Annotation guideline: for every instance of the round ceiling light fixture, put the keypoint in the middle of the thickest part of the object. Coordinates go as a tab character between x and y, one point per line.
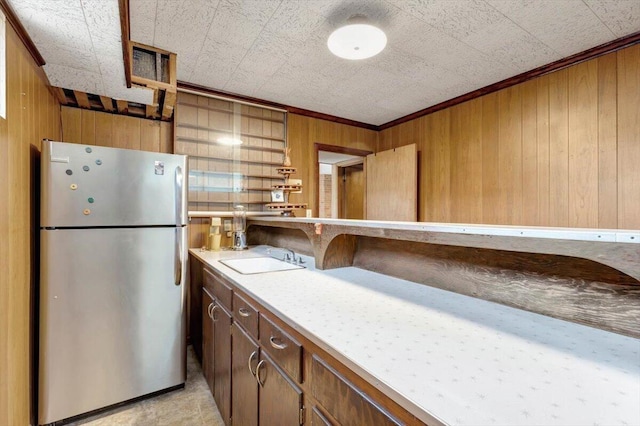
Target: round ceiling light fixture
357	40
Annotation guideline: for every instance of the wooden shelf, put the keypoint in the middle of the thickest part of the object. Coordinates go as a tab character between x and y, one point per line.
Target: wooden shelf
288	187
285	206
286	170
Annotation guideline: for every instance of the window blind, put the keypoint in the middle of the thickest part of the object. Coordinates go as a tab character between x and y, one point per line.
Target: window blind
221	176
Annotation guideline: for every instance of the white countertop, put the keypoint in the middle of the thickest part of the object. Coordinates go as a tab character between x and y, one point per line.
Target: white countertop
458	359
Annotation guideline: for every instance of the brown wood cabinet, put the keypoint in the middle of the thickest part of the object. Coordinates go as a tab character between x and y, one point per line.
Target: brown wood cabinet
284	349
280	399
245	314
261	370
207	337
195	307
222	361
244	390
222	292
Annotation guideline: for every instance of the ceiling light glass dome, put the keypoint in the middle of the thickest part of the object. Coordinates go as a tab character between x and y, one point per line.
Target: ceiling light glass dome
357	40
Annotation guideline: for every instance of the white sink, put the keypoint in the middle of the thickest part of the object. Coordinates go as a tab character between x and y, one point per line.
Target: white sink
259	265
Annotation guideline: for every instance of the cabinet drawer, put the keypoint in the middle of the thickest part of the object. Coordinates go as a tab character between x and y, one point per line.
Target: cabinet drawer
246	315
345	402
283	348
218	289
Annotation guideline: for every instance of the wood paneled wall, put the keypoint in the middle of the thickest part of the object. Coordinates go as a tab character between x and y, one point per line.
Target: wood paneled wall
33	114
303	132
559	150
119	131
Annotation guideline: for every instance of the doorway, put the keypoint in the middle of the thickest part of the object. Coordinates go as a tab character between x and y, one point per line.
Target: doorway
350	197
340	182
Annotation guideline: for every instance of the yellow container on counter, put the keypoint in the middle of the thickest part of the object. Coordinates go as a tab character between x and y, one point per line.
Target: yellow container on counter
213	241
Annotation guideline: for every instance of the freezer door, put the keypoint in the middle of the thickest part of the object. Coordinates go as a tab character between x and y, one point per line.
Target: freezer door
88	186
112	317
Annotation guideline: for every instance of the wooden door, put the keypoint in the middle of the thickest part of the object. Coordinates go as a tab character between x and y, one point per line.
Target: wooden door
244	387
392	184
207	338
280	400
351	192
222	361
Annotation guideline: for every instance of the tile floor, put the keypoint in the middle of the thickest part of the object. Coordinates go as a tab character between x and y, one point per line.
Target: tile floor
192	405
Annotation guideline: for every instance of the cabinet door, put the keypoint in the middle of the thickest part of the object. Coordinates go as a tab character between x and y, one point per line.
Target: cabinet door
195	306
280	399
207	338
244	388
222	361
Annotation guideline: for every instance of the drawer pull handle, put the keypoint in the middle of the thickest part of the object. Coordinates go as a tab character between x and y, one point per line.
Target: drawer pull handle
209	310
213	310
251	357
244	312
260	364
277	345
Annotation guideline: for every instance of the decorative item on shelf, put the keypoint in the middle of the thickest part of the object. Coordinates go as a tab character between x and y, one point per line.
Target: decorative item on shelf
280	192
214	234
287	159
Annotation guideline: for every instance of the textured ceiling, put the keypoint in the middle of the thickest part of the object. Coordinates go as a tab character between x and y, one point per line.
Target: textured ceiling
276	50
80	40
437	49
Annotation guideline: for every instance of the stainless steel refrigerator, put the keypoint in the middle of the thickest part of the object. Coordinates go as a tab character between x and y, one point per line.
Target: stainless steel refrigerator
112	277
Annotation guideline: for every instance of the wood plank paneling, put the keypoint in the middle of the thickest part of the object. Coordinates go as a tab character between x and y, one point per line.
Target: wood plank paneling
607	142
629	138
88	127
558	150
529	154
510	155
72	124
439	133
104	129
150	136
388	174
490	174
542	140
33	114
583	144
466	162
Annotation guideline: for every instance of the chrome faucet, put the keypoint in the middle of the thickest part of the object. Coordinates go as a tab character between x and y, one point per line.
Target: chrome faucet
289	255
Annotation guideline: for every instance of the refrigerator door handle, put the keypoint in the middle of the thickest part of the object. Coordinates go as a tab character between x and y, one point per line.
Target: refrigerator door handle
178	196
178	256
178	248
